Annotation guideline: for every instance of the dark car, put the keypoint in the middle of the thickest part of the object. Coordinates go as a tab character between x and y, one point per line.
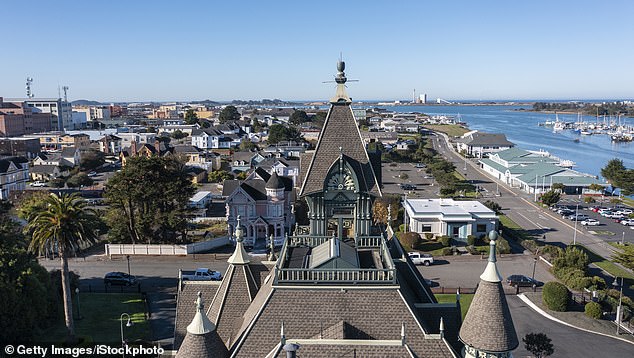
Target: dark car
408	187
119	278
522	281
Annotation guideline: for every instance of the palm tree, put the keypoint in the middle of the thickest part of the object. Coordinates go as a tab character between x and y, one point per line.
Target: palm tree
63	223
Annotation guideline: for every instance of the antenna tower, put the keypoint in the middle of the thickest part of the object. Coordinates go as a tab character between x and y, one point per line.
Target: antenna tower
65	89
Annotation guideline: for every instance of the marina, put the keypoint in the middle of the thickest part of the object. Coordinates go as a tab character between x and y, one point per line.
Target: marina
590	153
614	127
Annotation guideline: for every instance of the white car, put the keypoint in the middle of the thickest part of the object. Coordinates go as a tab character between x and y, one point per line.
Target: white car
627	222
421	259
38	184
624	212
590	222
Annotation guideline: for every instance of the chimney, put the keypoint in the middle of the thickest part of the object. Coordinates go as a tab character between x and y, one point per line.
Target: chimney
157	146
291	350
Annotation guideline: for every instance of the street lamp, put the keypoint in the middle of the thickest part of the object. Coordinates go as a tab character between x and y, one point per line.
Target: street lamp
128	258
574	238
78	309
534	264
128	324
618	308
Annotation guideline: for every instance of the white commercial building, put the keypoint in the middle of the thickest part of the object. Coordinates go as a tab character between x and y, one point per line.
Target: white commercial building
448	217
60	110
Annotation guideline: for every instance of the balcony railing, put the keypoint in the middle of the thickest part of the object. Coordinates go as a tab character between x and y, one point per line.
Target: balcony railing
336	276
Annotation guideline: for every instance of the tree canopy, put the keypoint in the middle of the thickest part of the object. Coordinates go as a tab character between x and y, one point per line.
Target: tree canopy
298	117
280	132
191	117
91	160
229	113
27	299
538	344
550	197
152	195
619	176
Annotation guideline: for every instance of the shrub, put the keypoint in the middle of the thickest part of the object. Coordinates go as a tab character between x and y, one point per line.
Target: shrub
572	257
589	200
410	239
502	246
429	235
471	240
598	283
445	240
555	296
530	245
446	251
593	310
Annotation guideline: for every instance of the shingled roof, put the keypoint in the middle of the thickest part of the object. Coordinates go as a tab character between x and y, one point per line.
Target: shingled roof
340	135
185	309
202	340
488	325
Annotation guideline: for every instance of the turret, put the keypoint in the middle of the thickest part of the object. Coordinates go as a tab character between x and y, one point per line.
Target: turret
488	328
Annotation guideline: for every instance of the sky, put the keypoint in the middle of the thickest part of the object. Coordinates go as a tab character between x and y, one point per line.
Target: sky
223	50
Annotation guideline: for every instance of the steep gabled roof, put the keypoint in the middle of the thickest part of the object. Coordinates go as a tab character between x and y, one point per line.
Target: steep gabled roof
340	134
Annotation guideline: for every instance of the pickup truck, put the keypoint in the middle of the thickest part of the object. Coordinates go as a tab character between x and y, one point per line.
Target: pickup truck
421	259
201	274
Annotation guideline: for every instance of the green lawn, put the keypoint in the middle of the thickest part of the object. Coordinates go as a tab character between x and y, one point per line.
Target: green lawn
452	130
100	319
465	301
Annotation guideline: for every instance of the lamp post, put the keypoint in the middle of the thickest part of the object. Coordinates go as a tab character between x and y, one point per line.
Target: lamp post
128	324
574	238
78	308
128	258
618	308
534	264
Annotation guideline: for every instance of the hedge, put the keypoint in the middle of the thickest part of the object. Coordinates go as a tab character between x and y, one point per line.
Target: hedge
555	296
593	310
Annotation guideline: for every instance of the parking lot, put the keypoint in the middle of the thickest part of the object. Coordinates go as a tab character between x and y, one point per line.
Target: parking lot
393	174
608	229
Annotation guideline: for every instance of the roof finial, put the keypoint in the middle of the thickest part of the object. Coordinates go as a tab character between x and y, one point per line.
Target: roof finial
282	334
491	273
239	256
272	256
201	323
442	328
402	332
340	95
389	213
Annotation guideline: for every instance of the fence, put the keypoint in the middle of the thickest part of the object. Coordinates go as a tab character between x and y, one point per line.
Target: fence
508	290
165	250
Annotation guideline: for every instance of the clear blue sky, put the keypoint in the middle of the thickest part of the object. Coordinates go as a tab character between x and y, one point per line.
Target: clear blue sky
222	50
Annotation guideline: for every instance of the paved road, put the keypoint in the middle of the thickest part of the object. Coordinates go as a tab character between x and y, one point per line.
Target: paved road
568	342
465	270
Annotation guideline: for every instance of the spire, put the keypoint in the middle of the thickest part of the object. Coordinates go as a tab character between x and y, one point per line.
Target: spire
491	273
442	328
239	256
201	323
341	96
402	332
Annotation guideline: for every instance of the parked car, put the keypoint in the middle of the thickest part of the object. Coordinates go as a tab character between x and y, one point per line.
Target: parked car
578	217
606	214
591	222
565	212
421	258
38	184
522	281
408	187
119	278
624	212
420	165
201	274
627	222
92	174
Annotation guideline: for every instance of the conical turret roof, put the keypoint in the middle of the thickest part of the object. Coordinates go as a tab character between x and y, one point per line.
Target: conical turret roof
202	340
488	325
274	182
